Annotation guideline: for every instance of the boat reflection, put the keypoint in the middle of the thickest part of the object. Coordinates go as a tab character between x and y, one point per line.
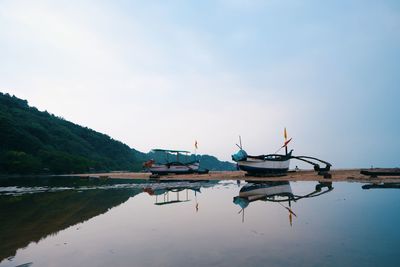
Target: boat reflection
170	192
381	186
279	192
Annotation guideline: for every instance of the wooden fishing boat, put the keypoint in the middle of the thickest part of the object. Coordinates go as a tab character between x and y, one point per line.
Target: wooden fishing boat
173	167
271	164
275	164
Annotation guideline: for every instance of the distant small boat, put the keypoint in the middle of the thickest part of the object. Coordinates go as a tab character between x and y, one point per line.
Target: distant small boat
173	167
381	172
381	186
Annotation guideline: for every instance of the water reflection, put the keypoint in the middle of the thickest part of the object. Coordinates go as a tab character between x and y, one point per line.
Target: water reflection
33	208
172	192
279	192
104	225
381	186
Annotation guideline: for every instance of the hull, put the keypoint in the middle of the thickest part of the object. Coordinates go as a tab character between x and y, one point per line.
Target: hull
178	168
264	166
381	172
259	191
263	191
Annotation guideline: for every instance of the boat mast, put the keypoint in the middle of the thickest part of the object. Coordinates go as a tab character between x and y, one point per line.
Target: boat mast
285	136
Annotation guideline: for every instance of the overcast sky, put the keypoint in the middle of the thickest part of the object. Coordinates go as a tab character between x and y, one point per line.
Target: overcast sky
161	74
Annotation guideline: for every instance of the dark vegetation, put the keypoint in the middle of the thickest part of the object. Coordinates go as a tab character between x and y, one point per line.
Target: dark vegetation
36	142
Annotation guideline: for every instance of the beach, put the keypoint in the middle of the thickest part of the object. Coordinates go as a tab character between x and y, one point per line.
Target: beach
340	175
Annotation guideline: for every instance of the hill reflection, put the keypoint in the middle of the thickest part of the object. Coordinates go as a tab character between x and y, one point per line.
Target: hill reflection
29	217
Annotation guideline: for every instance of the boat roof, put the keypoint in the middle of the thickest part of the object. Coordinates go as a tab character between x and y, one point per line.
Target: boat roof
169	150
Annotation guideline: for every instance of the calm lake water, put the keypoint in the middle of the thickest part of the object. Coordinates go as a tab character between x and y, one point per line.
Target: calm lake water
73	222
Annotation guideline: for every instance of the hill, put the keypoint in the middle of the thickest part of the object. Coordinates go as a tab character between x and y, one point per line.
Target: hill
33	141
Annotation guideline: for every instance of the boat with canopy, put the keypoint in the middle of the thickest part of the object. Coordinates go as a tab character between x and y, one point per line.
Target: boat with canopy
175	166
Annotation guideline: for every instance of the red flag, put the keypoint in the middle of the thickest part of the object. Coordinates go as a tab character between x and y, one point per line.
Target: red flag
287	142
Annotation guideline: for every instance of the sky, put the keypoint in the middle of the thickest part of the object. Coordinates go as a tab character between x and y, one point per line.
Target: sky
162	74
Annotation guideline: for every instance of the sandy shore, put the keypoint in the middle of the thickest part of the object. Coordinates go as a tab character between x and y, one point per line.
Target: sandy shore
352	175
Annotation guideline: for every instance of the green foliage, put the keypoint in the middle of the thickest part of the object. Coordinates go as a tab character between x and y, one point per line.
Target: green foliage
32	141
20	162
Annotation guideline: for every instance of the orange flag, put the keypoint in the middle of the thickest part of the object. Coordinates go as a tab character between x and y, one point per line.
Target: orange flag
285	134
287	142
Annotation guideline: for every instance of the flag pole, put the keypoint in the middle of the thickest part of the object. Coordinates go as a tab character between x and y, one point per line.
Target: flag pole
195	148
285	136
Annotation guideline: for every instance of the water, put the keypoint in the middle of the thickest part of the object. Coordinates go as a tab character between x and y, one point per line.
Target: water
73	222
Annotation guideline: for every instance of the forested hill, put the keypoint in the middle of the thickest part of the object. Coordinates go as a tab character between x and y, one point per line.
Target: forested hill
32	141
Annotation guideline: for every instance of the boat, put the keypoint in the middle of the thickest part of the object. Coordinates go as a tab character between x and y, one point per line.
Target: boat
381	186
271	164
275	164
374	172
173	167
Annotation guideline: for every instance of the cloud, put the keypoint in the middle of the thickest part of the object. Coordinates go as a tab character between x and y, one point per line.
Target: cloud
164	74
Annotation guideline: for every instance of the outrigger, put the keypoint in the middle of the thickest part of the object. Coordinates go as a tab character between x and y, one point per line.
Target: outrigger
173	167
275	164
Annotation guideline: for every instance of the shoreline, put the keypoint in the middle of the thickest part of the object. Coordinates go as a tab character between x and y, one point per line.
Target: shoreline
344	175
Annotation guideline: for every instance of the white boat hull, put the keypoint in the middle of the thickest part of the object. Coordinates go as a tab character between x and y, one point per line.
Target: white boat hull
264	166
174	169
255	193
